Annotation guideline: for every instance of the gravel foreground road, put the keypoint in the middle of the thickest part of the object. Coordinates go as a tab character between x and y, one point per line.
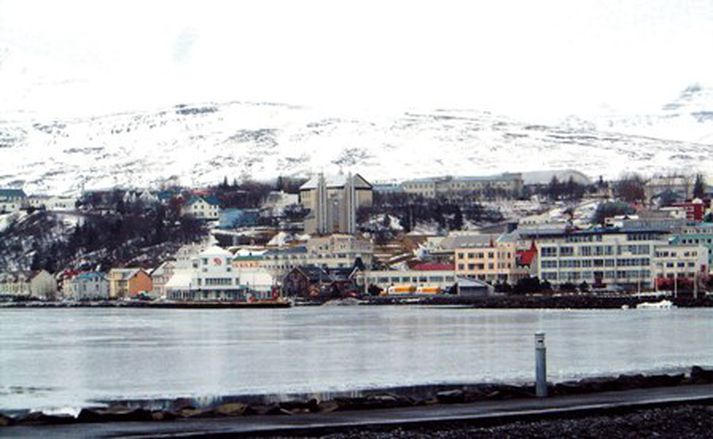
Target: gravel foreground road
688	421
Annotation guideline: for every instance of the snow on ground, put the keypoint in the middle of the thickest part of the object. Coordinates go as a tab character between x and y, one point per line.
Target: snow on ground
201	144
7	219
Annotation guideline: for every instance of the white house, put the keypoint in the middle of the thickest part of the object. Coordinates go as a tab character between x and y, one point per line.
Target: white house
205	208
160	276
43	285
86	286
51	202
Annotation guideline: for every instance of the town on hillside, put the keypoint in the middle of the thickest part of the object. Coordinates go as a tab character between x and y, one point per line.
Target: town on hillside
342	236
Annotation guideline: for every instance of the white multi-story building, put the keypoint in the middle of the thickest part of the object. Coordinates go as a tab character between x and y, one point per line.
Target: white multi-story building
600	257
212	276
503	184
680	261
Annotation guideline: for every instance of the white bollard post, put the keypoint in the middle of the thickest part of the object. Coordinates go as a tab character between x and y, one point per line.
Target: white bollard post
540	365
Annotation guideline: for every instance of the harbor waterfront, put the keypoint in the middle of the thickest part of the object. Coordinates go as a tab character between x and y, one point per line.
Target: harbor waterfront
64	359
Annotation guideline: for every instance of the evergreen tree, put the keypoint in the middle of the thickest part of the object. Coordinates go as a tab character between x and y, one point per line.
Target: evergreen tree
699	187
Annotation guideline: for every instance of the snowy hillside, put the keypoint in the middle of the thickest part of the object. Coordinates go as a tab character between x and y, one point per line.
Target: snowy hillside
688	117
196	144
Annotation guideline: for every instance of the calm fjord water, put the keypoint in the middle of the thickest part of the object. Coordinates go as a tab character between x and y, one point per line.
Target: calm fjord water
56	358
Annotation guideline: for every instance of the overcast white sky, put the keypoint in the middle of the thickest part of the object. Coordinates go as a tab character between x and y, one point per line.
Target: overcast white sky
524	58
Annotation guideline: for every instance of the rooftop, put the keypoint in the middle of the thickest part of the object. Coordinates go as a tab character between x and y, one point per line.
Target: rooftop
12	193
336	181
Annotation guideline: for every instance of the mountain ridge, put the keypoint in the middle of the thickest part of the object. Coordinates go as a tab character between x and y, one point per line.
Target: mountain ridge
197	144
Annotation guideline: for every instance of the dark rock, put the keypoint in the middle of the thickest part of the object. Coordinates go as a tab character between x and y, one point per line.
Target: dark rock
701	376
664	380
194	413
455	396
275	409
182	403
114	414
6	421
328	406
39	418
162	415
231	409
310	406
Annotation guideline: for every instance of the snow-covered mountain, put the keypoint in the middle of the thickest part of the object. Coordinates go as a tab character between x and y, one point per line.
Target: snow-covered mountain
688	117
197	144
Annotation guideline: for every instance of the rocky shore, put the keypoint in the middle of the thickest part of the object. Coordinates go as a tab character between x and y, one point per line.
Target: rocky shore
186	408
688	421
544	301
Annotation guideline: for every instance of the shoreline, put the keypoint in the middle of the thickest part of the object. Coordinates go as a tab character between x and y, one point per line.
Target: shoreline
571	301
433	397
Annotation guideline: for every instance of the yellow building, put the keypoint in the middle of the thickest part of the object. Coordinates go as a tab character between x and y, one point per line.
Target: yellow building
493	260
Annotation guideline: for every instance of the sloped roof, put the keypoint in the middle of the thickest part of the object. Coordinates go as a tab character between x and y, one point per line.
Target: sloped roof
210	199
315	273
12	193
126	273
336	181
180	279
90	275
454	241
526	257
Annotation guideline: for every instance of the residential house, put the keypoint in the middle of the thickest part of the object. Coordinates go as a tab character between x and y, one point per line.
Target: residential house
51	202
43	285
311	281
15	284
202	207
160	276
12	200
497	259
90	285
128	282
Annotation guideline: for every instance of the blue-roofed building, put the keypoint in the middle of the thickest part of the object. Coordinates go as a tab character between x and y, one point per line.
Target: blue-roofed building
12	200
234	218
202	207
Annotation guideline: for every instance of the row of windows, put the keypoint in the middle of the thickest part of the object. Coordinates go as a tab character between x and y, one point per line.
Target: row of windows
576	263
679	264
213	281
595	250
568	276
491	266
672	254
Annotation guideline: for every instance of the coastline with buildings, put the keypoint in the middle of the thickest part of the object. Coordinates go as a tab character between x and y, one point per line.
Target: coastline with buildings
426	240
